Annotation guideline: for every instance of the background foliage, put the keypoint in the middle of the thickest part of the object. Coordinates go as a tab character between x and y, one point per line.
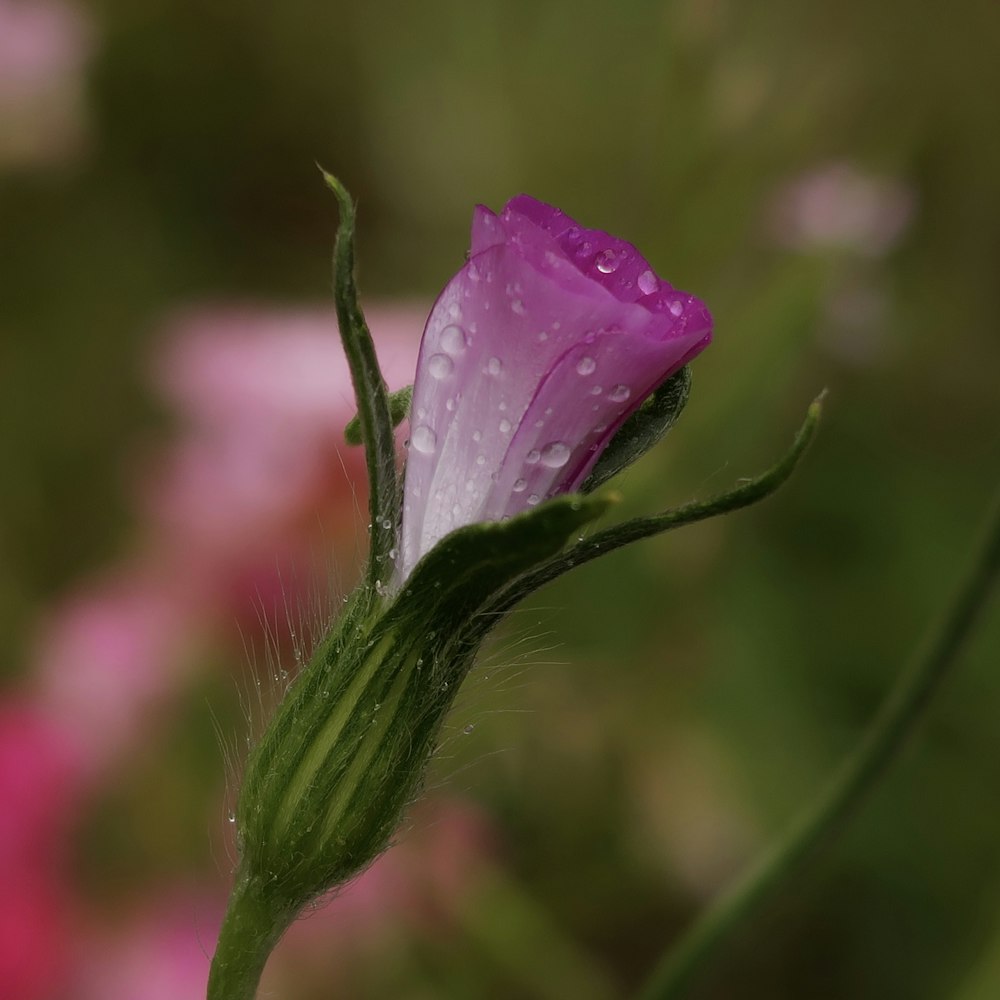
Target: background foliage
645	726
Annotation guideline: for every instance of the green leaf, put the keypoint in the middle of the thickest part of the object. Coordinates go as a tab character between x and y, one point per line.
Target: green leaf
748	492
399	409
467	568
374	417
642	430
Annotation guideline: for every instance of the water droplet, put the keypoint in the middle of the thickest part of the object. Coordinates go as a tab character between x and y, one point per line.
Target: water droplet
596	390
543	336
619	394
440	365
555	455
455	310
472	271
586	366
424	440
505	426
449	405
533	456
393	553
648	282
517	307
477	436
468	729
607	261
480	460
533	499
453	339
232	817
519	485
676	307
494	366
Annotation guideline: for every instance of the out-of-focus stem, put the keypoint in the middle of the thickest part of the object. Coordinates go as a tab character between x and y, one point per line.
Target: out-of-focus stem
900	712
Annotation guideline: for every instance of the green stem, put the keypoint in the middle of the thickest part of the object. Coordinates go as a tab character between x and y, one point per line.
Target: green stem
248	935
898	716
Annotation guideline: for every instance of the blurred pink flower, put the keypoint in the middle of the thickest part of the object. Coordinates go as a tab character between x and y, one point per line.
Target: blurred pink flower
840	206
107	656
257	482
39	803
159	953
44	47
260	469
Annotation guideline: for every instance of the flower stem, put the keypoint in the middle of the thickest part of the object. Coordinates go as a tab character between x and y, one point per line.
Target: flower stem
249	933
896	719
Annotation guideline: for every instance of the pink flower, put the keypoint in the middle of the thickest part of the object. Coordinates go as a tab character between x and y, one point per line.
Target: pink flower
264	397
44	45
533	356
38	793
160	954
839	206
107	657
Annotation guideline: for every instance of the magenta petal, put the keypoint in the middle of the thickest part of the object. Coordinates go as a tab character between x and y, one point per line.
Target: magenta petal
533	356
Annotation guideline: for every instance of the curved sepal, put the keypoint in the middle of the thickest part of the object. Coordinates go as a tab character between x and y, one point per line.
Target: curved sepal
473	564
375	421
748	492
399	410
642	430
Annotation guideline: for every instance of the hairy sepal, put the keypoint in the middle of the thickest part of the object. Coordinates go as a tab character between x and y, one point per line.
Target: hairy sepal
326	787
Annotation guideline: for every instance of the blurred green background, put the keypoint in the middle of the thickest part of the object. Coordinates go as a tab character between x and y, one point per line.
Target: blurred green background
678	701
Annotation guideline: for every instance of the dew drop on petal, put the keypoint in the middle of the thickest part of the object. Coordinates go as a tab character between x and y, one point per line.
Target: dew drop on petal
586	366
533	457
648	282
480	460
449	404
555	455
423	440
477	436
517	307
676	307
607	262
519	485
455	310
533	499
494	366
619	393
505	426
440	365
453	339
596	391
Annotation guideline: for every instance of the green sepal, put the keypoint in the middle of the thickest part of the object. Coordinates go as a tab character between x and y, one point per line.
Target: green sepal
468	567
747	492
642	430
374	417
399	410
